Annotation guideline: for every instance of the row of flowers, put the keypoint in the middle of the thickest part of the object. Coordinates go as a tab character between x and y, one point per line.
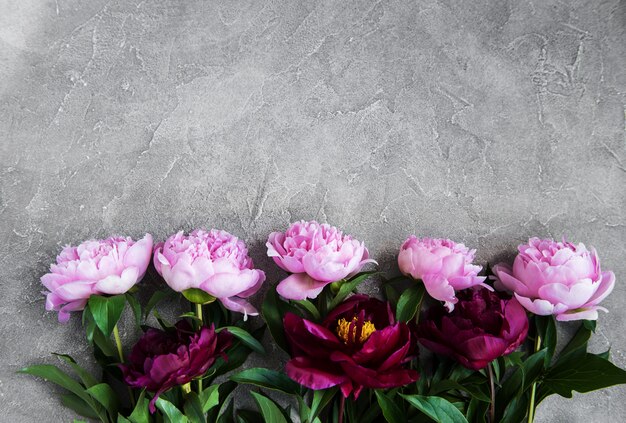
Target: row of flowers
352	357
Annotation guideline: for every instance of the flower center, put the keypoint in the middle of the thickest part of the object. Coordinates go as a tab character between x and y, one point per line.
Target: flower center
348	331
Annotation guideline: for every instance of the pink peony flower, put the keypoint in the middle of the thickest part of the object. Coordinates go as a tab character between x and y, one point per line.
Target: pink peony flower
558	278
316	254
111	266
215	262
443	265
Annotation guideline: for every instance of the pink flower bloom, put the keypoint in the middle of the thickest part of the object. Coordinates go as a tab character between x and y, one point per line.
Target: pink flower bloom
558	278
215	262
316	254
443	265
111	266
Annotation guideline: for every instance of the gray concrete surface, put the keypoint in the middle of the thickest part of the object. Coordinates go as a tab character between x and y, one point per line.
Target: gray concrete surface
483	121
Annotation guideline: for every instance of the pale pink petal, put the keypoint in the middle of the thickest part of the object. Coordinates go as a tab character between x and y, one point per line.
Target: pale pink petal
114	285
438	288
300	286
607	283
538	306
581	314
138	255
239	305
223	285
507	281
573	297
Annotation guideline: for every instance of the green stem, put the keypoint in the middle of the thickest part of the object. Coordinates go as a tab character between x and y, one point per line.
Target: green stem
199	315
492	406
419	305
533	389
118	343
342	405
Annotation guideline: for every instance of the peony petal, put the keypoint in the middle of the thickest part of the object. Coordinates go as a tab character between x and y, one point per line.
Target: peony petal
573	296
139	254
300	286
114	285
506	280
606	286
581	314
76	290
230	284
314	374
64	312
239	305
538	306
438	287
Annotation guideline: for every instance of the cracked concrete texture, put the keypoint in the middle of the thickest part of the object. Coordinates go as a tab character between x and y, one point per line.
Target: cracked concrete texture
485	121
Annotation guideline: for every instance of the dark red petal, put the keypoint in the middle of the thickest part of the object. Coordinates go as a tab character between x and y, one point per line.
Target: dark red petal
314	374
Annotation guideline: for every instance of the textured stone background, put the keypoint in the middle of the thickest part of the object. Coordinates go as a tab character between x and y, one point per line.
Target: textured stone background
483	121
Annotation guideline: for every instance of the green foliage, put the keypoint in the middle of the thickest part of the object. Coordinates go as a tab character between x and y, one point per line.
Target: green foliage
106	311
409	302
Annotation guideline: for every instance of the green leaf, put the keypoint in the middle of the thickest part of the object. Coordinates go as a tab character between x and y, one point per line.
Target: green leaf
226	413
309	307
106	311
246	338
198	296
103	393
249	416
391	295
348	286
210	397
409	302
237	355
270	411
73	402
515	411
446	385
273	310
590	325
321	398
141	412
391	411
193	408
87	379
56	375
172	414
225	389
266	378
122	419
583	374
156	298
476	411
533	366
135	306
546	328
578	343
437	408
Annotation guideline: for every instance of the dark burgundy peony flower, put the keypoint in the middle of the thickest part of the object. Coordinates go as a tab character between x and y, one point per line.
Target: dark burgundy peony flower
357	346
483	326
161	359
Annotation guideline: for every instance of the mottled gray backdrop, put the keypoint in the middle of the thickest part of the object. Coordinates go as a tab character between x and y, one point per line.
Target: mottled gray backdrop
483	121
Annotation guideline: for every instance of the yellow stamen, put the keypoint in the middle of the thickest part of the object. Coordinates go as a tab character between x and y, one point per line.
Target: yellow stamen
343	330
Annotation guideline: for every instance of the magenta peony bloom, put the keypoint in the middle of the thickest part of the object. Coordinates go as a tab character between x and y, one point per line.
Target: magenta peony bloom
215	262
316	255
358	345
111	266
443	265
484	326
558	278
161	360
